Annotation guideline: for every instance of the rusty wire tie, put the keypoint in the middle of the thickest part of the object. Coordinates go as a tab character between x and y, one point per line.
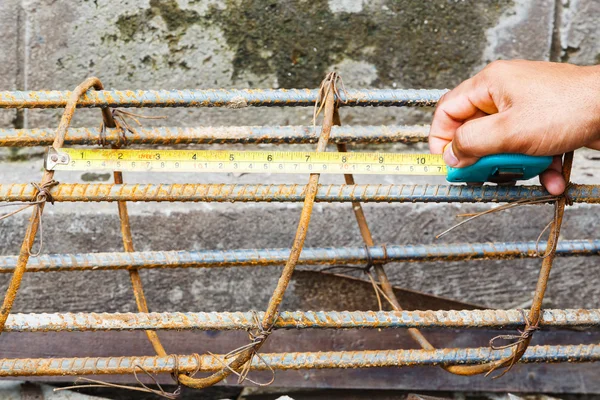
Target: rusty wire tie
368	266
523	336
367	271
42	195
257	336
330	83
120	118
535	200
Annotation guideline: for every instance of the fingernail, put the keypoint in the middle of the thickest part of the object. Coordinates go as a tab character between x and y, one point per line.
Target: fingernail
449	157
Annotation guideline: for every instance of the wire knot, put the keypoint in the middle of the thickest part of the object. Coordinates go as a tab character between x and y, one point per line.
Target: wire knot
370	262
43	192
328	85
523	337
566	196
42	195
121	119
257	337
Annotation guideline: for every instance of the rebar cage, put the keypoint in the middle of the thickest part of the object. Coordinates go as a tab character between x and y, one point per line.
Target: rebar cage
188	369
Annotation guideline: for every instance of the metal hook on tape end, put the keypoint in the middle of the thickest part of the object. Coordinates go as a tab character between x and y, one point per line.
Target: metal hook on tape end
54	158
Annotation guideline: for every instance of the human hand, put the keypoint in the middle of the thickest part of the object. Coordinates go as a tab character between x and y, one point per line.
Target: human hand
528	107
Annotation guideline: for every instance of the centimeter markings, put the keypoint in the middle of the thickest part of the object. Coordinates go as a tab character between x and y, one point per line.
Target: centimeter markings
252	161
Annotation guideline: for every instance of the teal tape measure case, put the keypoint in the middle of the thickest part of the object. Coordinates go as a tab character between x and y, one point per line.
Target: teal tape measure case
500	168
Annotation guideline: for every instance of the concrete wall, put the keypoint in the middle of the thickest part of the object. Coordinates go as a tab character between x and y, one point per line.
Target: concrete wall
153	44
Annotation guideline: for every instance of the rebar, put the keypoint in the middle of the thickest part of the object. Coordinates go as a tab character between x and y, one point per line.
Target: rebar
230	98
223	321
47	178
373	193
165	135
292	361
309	256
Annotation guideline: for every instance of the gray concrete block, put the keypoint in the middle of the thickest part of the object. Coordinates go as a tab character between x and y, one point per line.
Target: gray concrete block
523	31
579	34
12	51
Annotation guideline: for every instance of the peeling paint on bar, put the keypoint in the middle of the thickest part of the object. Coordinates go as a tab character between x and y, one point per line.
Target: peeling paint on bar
230	98
407	193
309	256
223	321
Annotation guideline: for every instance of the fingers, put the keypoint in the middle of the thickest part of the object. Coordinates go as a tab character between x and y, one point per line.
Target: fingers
480	137
469	100
552	178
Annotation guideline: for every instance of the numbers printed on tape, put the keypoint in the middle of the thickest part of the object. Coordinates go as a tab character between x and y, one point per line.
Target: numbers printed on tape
248	161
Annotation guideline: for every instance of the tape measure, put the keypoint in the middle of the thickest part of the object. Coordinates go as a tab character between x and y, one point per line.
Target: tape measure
506	166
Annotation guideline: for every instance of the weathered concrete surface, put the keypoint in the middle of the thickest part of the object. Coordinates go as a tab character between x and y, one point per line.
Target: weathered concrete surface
579	33
523	31
11	55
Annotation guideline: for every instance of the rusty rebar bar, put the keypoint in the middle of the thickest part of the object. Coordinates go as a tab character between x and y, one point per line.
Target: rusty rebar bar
535	311
326	100
378	266
520	345
292	361
35	220
165	135
134	274
309	256
223	321
230	98
384	193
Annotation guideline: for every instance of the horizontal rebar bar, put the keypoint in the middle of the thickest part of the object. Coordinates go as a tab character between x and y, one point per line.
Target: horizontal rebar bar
296	320
293	361
408	193
221	134
218	98
309	256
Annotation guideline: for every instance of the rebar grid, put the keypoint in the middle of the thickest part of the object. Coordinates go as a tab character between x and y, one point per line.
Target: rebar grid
458	361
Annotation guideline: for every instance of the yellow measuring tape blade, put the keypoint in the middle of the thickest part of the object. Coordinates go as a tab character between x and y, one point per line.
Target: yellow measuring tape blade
246	161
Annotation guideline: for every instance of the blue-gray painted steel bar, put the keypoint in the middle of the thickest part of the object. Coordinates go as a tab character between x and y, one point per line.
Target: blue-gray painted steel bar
164	135
223	321
231	98
309	256
294	193
293	361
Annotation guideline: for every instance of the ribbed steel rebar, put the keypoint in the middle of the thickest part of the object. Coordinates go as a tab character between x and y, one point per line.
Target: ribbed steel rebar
292	361
309	256
296	320
294	193
218	98
165	135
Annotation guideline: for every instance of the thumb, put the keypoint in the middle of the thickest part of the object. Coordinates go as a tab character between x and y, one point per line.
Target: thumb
477	138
